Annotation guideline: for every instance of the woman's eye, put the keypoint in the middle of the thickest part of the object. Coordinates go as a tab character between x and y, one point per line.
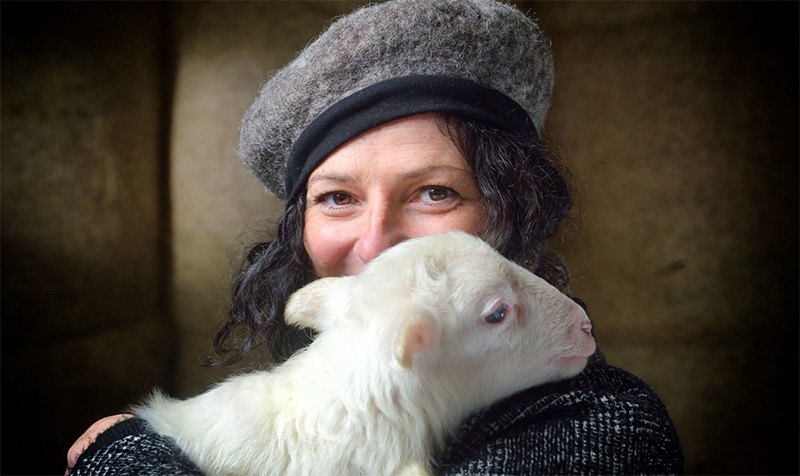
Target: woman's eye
436	194
337	199
497	316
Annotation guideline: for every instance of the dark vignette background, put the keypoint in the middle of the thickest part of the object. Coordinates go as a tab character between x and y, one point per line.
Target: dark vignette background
678	120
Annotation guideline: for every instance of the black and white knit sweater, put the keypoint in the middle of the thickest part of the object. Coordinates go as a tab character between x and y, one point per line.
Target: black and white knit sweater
604	421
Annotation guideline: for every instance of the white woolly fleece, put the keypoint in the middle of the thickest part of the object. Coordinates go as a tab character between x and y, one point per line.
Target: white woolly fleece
431	331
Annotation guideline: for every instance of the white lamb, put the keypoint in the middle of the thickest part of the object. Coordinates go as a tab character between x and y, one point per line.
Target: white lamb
432	330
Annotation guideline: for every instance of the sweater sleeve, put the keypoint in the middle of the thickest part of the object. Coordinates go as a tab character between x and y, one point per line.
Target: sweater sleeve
129	448
604	421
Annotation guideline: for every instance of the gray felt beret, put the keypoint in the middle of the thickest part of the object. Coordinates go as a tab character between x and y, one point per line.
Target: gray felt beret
485	41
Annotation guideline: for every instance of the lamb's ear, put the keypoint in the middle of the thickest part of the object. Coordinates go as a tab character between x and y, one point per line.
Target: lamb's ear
418	334
305	306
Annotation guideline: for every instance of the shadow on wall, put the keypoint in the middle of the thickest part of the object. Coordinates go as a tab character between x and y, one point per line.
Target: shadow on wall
84	252
680	120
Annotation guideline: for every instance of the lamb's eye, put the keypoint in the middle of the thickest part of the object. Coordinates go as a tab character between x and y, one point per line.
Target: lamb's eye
497	316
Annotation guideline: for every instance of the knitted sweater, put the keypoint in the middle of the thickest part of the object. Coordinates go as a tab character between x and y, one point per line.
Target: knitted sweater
604	421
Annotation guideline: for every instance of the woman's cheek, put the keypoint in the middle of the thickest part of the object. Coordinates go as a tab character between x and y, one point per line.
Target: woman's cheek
326	246
471	219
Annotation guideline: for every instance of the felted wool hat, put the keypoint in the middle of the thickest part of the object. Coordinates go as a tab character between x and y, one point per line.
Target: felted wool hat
479	59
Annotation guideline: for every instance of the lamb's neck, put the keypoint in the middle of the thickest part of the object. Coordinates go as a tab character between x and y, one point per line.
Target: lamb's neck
346	385
443	412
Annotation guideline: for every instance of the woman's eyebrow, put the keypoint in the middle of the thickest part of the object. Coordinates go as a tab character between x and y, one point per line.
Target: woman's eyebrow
410	175
332	177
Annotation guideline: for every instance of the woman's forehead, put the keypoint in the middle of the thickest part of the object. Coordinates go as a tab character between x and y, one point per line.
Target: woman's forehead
415	145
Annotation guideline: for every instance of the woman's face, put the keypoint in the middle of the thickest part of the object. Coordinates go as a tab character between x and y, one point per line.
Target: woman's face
401	180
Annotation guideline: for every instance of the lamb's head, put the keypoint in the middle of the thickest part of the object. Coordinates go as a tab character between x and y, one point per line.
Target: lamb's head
457	315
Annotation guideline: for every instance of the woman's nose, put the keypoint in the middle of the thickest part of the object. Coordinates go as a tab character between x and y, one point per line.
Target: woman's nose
382	229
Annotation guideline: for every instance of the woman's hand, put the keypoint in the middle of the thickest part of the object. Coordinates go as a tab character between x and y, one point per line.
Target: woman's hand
90	435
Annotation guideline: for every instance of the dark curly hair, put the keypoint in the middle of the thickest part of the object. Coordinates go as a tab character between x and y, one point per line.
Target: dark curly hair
525	196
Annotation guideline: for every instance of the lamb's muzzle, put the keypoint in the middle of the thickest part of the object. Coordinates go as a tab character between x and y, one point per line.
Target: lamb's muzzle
580	337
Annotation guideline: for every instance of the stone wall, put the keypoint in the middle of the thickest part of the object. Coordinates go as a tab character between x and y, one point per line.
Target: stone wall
85	251
679	121
124	206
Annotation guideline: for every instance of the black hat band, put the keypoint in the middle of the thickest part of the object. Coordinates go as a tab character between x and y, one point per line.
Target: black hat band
394	99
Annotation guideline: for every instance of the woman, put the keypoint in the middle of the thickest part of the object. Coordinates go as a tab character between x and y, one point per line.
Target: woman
404	119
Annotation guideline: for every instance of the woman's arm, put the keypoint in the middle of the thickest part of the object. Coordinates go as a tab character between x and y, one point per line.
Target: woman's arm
605	421
89	436
129	447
